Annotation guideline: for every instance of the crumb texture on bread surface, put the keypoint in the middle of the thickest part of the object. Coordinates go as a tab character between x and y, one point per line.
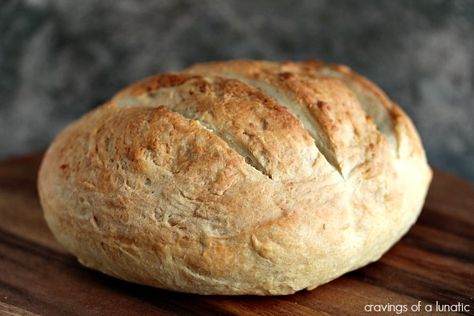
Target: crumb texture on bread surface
237	177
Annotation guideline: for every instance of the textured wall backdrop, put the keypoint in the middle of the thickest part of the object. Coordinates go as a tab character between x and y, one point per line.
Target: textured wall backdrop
60	58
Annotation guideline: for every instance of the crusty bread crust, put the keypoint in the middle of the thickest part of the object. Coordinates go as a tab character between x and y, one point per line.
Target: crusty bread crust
238	177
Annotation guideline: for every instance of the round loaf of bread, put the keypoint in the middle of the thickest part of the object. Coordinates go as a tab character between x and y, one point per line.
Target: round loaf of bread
238	177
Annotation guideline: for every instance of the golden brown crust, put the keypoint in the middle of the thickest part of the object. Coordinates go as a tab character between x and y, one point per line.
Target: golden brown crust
345	134
255	125
240	177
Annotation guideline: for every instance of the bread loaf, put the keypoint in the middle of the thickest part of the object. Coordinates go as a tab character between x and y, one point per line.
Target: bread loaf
238	177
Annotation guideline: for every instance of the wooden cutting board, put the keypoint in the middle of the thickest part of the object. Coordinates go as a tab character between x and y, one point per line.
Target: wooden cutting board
433	262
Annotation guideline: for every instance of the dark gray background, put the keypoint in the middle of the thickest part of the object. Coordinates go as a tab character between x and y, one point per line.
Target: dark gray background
60	58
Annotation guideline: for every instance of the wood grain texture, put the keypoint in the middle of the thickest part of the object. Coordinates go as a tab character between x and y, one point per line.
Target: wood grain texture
433	262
